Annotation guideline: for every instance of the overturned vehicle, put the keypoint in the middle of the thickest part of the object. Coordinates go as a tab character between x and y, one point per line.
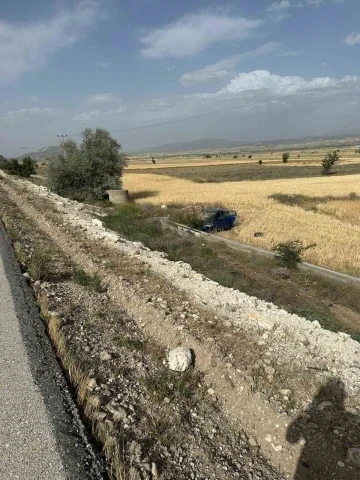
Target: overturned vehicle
217	219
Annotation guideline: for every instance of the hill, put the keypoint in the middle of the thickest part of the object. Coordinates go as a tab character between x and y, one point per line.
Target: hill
214	144
201	144
43	154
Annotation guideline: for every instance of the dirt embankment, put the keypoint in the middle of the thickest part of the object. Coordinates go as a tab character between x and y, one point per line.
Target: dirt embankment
264	380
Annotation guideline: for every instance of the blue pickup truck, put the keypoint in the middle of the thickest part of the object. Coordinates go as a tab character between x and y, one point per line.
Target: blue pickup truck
217	219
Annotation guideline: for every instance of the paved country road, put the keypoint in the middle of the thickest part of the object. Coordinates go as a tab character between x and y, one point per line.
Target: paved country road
41	436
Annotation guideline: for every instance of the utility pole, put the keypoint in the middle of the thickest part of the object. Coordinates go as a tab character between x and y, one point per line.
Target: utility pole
62	137
24	148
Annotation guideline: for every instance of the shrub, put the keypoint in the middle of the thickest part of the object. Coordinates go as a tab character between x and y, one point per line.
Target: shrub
207	156
260	162
353	195
329	161
24	169
235	156
28	167
250	156
285	157
89	170
40	264
290	253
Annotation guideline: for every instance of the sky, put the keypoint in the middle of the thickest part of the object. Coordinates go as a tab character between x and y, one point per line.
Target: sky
249	70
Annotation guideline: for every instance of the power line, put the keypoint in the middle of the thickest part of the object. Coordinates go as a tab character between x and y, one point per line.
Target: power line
225	110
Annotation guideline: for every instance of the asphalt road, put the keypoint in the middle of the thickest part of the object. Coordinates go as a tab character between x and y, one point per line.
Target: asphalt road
41	435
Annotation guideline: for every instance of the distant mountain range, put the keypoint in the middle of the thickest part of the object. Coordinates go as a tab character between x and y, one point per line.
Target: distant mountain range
201	144
215	144
204	145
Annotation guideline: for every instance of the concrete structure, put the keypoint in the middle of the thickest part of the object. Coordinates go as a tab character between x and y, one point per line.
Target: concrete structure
119	197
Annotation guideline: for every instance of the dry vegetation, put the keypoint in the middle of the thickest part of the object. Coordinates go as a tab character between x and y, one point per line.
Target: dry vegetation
334	226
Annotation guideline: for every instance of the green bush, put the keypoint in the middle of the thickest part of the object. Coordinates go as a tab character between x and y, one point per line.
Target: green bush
353	195
89	170
285	157
290	253
329	161
250	156
260	162
235	156
24	169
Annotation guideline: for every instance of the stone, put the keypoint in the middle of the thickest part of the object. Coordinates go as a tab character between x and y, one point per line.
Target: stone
120	414
91	384
105	356
179	359
353	454
154	471
268	438
340	464
211	391
326	405
97	222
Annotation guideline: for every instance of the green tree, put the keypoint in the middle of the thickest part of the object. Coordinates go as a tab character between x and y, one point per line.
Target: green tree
329	161
250	156
285	157
89	170
27	168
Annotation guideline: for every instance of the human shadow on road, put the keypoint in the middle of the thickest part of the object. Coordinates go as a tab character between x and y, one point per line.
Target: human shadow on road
330	436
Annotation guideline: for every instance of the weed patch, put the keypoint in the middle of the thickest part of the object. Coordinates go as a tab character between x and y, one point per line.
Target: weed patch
92	281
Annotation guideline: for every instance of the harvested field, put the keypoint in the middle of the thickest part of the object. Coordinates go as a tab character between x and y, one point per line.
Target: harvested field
241	172
336	236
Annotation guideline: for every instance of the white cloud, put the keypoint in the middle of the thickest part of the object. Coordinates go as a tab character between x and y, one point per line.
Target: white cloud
29	114
276	6
34	99
102	98
263	79
88	117
224	68
26	47
102	65
193	33
352	39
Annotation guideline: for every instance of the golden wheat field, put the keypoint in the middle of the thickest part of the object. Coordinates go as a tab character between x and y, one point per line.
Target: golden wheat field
334	227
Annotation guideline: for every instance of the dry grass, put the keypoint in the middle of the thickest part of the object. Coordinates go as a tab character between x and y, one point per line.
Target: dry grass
336	235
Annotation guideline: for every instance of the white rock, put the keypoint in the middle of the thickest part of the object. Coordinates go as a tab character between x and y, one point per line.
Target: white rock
211	391
104	356
97	222
179	359
341	464
91	383
164	207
